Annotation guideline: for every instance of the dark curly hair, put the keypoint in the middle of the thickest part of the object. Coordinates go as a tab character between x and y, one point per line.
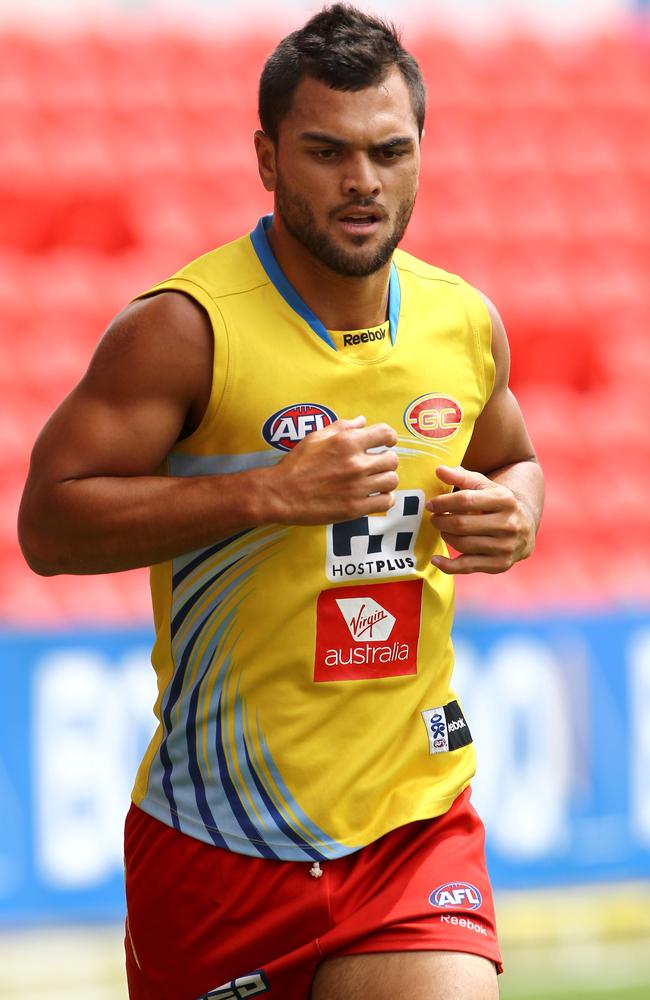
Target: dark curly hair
343	48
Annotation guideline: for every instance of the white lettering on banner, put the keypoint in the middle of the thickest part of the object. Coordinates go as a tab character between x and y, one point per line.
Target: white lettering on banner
520	716
91	724
640	734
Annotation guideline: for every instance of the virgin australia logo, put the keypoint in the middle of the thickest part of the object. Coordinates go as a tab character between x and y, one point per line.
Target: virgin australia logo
366	620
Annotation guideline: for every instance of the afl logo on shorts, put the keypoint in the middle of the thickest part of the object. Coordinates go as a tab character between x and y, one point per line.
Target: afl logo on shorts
289	426
456	895
432	416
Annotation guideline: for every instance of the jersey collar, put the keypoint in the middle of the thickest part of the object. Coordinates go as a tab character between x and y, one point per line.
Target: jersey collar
262	248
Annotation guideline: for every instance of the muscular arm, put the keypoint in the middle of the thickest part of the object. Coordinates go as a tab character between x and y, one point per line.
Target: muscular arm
93	503
493	516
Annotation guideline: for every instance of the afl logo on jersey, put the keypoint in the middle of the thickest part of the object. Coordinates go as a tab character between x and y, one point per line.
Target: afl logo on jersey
433	416
456	895
289	426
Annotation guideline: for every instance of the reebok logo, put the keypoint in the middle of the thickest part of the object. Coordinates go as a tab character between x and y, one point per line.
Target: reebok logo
453	726
463	922
352	339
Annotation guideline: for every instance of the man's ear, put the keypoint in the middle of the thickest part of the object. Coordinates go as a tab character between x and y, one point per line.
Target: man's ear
265	150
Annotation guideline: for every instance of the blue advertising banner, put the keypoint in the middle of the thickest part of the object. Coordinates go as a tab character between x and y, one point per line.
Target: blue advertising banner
560	713
559	709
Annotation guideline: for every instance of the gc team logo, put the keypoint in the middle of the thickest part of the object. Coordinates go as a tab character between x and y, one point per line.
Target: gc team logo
433	417
284	429
456	895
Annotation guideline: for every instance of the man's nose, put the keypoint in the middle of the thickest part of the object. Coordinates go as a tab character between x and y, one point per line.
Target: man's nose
360	178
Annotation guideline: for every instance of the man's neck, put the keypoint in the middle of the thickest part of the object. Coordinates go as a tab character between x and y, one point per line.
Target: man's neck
340	302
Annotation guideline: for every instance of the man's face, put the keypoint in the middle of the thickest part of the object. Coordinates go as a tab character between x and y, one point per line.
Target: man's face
346	172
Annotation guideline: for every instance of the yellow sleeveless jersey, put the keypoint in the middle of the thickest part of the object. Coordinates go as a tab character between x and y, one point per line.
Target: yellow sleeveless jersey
303	672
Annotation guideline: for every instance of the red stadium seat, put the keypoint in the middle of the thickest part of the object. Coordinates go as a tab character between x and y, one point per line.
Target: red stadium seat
122	156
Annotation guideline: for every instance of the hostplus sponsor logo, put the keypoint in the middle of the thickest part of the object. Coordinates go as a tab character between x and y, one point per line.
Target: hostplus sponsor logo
369	631
452	895
286	428
252	985
380	545
367	337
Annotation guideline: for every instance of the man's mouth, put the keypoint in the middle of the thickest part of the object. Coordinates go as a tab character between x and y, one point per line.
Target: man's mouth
359	218
359	222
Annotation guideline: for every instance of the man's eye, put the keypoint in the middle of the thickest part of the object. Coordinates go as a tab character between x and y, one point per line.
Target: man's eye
326	154
391	154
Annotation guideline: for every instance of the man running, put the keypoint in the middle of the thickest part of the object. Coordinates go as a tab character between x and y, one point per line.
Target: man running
288	431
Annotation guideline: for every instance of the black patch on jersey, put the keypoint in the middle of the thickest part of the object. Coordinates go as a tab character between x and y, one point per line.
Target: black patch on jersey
458	732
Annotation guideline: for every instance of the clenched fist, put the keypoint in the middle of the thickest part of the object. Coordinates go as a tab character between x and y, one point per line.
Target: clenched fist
345	471
487	523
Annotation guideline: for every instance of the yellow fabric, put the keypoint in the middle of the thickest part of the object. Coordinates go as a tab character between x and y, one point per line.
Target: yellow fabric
282	763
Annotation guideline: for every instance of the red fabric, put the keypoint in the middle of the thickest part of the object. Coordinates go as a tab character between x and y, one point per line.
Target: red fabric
200	918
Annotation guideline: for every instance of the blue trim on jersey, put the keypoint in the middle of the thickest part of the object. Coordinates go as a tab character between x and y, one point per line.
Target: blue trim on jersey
394	303
267	259
181	615
248	828
166	761
278	818
202	556
194	769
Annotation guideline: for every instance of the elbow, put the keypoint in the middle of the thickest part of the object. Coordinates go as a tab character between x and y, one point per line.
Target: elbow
36	546
36	558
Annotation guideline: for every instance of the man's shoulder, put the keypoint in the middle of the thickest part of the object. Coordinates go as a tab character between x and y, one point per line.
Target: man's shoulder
230	269
407	263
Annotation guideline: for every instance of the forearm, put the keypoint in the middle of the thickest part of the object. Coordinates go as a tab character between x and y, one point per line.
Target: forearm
104	524
109	524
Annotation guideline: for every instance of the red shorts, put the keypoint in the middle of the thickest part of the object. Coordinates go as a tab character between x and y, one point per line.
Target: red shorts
203	922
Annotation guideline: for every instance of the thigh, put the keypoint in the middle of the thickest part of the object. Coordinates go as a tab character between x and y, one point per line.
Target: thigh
413	975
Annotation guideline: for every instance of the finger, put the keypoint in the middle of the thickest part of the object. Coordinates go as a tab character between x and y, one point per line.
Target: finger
480	545
385	461
377	503
377	435
462	479
384	483
354	423
464	564
470	524
471	501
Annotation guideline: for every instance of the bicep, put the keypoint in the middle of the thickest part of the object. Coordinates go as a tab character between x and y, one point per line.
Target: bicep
146	376
500	436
